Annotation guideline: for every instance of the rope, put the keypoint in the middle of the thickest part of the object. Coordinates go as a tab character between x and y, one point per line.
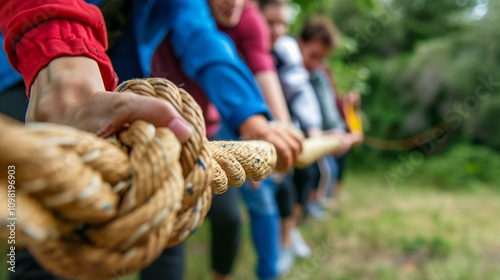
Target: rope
89	207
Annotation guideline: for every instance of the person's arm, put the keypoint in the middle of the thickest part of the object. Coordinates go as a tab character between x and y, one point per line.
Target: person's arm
255	47
271	89
210	58
59	48
297	88
38	32
326	94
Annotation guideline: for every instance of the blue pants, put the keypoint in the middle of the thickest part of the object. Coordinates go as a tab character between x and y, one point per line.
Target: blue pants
329	173
264	220
265	226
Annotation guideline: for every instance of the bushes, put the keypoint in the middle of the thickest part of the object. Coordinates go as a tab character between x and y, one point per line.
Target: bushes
463	165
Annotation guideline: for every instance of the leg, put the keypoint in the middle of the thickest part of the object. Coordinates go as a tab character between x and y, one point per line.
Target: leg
334	171
225	219
341	161
264	221
168	266
325	178
285	198
305	180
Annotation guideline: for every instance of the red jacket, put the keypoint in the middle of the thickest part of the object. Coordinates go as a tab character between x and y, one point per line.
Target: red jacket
44	30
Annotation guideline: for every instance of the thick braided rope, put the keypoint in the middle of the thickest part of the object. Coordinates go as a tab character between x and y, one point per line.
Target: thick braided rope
90	208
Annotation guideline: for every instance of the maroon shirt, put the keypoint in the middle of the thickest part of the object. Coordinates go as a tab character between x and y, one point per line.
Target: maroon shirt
167	65
252	39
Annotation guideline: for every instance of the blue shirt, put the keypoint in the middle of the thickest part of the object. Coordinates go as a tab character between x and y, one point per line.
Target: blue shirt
8	76
208	56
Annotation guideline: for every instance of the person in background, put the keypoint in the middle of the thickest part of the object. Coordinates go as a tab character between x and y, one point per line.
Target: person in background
70	78
266	202
295	77
244	24
350	107
317	41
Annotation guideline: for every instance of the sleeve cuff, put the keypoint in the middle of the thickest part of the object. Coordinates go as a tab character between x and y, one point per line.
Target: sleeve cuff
57	38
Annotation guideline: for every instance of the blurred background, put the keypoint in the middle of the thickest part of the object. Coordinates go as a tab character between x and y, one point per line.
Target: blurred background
422	195
425	69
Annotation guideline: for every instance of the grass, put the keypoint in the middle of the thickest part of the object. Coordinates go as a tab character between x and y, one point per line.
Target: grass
409	232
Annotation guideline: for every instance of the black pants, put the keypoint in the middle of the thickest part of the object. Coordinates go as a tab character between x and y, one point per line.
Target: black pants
295	189
225	220
305	180
170	265
286	196
226	225
14	103
224	216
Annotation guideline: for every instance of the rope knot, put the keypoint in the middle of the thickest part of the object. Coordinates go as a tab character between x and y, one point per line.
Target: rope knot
88	207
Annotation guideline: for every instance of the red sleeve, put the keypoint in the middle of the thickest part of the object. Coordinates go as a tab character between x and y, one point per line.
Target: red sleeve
255	40
36	32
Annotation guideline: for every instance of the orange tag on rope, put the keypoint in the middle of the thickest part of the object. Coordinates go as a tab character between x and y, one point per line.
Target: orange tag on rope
352	119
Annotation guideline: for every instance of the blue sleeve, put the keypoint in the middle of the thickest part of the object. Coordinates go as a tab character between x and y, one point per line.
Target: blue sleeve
210	58
8	76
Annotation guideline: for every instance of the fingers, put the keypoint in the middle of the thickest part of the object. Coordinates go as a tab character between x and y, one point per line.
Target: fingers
292	141
292	137
288	147
285	154
160	113
254	185
105	113
346	142
288	143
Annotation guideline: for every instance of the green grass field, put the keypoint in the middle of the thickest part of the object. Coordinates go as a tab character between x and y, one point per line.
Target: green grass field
408	232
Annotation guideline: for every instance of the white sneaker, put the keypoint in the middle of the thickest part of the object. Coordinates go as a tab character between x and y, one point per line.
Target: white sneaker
316	211
285	261
299	245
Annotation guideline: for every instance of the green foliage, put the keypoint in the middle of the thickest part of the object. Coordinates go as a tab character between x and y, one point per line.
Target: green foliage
484	127
414	62
463	165
421	246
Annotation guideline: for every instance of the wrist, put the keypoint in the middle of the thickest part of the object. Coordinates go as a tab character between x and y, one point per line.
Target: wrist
65	83
71	72
314	132
251	127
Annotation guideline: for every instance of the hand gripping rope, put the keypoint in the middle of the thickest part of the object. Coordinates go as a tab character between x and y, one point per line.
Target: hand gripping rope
92	208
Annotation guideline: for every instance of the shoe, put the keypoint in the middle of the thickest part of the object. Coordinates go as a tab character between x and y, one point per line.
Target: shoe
332	205
285	261
316	211
299	245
